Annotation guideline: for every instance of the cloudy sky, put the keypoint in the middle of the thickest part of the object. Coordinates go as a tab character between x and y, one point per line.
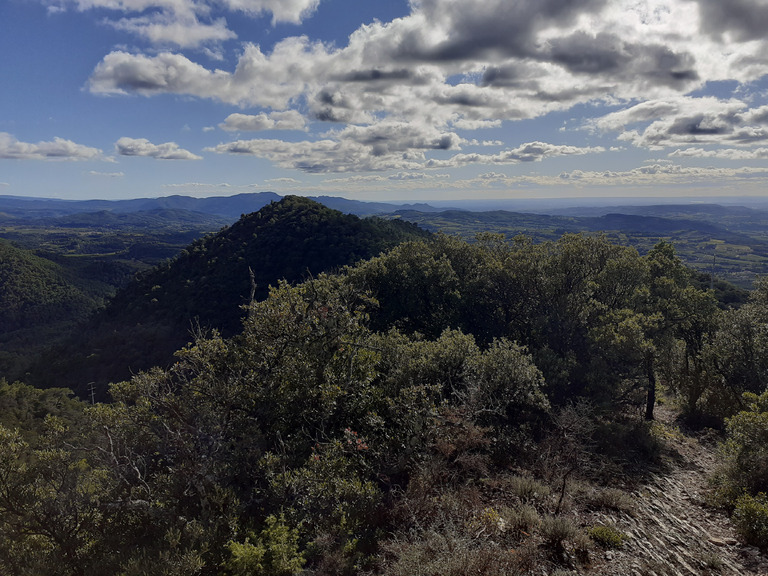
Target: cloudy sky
384	99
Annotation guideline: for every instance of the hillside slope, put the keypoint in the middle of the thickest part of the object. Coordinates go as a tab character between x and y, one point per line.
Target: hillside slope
207	284
34	290
37	296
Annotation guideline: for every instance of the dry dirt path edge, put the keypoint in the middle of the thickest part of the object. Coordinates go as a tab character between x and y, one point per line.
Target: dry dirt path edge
672	531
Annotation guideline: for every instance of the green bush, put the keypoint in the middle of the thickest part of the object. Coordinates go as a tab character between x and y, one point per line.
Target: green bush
608	536
751	519
744	458
275	552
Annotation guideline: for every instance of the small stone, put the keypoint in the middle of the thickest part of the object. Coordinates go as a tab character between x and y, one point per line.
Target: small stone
717	541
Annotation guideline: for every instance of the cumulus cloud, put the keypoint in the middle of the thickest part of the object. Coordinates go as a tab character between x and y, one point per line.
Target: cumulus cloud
168	29
457	65
186	23
549	49
57	149
286	120
386	147
143	147
199	185
492	176
466	124
530	152
687	120
743	19
722	153
319	156
292	11
469	63
662	174
258	80
121	72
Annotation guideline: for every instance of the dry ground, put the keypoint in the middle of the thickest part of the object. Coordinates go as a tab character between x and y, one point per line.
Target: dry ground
673	532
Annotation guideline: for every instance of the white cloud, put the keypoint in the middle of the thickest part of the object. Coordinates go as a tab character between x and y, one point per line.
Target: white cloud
198	185
492	176
186	23
258	80
465	124
165	28
456	65
318	156
386	145
287	120
722	153
106	174
486	143
541	55
292	11
143	147
409	176
530	152
4	184
662	174
58	149
685	120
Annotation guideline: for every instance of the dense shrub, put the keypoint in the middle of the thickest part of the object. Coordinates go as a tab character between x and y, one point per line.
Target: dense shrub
750	516
275	552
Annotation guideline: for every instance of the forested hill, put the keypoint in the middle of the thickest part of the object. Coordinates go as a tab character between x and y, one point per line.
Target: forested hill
38	297
290	239
489	414
34	290
207	284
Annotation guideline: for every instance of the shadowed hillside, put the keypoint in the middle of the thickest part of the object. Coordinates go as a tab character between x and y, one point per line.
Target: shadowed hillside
37	297
206	285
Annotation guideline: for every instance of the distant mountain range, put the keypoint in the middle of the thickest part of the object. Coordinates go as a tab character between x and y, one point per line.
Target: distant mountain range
230	207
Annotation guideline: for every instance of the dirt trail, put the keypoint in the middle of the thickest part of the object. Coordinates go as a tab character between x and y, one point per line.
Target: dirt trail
672	532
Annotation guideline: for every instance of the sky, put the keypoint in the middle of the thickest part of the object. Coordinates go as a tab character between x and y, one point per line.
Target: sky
402	100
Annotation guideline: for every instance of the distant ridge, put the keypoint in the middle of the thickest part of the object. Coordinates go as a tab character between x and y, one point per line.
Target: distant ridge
228	206
231	207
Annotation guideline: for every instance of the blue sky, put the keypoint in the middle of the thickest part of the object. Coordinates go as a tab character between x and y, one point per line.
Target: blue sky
384	100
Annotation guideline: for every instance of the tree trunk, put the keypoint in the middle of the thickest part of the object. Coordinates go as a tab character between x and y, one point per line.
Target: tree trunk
651	401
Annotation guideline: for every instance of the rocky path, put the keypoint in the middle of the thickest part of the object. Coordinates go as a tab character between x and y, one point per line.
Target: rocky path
672	532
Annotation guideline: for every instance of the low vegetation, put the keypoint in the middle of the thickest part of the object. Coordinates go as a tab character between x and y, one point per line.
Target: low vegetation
441	408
